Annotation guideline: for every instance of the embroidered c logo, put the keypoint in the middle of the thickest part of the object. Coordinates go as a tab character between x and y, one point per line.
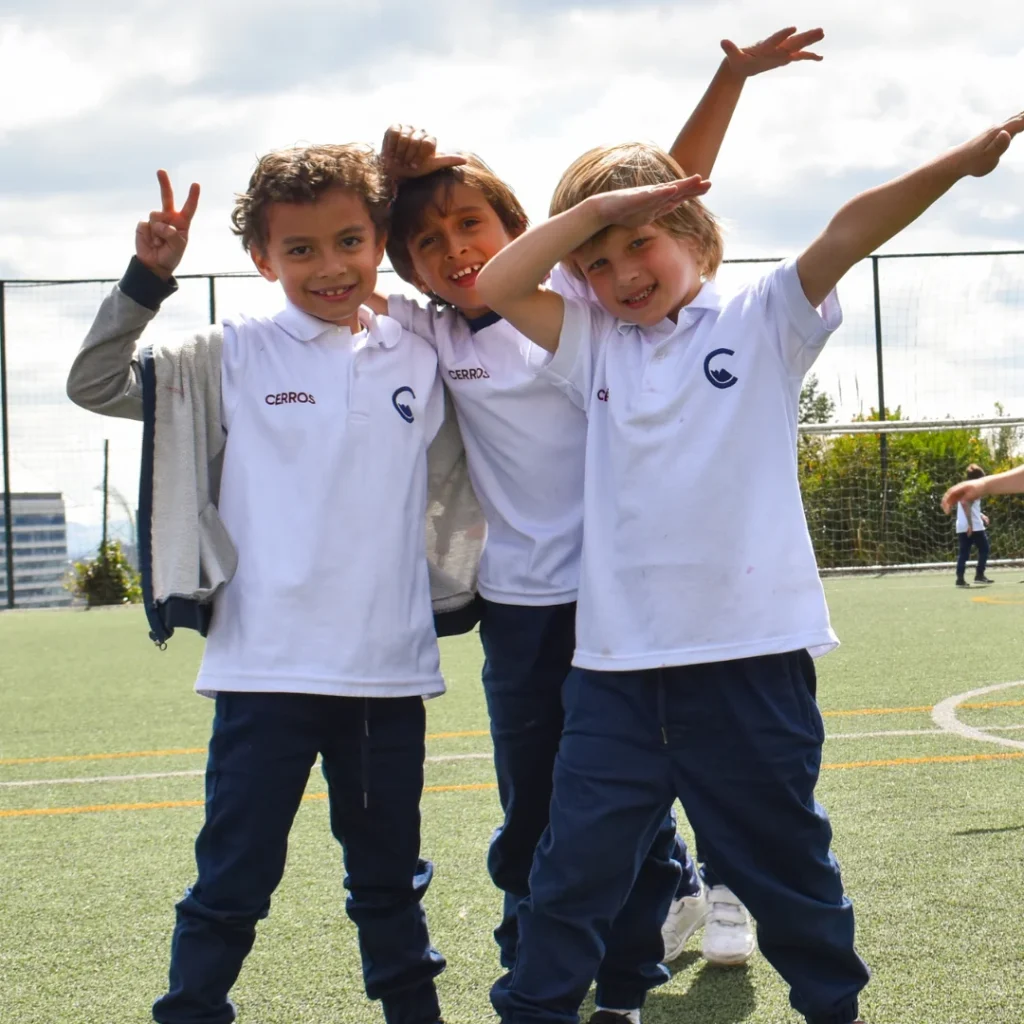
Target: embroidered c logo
402	408
720	378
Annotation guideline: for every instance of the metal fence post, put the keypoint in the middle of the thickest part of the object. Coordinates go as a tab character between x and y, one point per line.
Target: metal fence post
213	298
8	518
883	439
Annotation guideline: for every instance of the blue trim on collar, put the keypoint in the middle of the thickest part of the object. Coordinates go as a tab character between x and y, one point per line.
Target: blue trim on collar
478	323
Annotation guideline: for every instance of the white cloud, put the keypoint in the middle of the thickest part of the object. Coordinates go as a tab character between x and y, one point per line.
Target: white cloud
105	94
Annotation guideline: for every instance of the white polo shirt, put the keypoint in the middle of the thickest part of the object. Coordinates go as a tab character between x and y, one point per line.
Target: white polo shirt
977	523
696	548
525	446
324	493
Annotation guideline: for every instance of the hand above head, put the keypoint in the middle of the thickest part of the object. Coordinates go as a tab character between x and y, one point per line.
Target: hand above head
981	154
408	152
632	207
160	241
779	49
969	490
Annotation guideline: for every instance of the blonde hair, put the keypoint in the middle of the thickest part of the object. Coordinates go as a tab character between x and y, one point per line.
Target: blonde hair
630	165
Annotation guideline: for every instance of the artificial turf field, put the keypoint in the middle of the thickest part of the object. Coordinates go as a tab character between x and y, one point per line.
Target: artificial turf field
101	751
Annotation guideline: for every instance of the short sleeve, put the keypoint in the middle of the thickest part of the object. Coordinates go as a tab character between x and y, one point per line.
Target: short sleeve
798	329
416	319
571	366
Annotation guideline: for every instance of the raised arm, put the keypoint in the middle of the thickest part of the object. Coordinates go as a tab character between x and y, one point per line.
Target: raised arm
697	145
1010	482
510	283
872	218
103	376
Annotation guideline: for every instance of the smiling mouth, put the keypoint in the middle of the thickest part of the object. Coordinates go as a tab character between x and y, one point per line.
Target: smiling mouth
334	294
466	277
640	298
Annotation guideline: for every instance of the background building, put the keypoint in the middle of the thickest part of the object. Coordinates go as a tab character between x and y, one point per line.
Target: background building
40	548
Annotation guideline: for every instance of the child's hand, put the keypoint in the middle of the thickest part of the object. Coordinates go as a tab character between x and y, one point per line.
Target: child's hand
984	518
632	207
778	50
968	491
408	152
981	155
160	241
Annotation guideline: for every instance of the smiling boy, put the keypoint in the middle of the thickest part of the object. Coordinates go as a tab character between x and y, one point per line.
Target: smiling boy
316	424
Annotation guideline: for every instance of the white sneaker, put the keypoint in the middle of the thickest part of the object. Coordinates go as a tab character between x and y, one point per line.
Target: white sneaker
685	916
728	931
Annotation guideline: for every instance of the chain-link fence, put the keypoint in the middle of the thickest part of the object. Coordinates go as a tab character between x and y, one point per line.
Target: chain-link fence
925	336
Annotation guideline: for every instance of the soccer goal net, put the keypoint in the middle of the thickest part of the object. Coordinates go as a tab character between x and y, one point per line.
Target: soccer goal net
871	490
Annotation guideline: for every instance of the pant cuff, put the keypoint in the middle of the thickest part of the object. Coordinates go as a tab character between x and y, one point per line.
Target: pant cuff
846	1013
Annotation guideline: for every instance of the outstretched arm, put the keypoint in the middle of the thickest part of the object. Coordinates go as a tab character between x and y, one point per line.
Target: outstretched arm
1010	482
510	283
872	218
697	145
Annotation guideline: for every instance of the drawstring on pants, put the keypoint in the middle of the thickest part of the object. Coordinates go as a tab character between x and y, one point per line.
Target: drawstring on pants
364	752
662	709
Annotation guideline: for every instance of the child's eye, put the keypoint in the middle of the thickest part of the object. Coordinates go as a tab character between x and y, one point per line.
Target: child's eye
596	265
470	222
425	241
351	241
299	250
637	242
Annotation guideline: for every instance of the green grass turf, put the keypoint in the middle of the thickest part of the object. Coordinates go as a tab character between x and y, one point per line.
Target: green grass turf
930	851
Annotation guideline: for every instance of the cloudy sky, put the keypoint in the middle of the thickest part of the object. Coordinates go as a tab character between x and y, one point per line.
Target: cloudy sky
97	95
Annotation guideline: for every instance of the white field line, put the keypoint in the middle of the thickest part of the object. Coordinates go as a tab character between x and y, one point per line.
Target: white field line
445	758
944	716
439	759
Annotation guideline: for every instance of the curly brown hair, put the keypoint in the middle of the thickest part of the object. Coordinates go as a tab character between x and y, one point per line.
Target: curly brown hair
303	175
416	195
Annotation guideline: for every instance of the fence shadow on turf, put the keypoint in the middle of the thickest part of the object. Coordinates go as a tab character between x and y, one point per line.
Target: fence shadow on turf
715	996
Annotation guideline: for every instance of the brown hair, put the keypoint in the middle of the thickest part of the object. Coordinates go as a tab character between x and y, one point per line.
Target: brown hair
303	175
630	165
975	472
417	195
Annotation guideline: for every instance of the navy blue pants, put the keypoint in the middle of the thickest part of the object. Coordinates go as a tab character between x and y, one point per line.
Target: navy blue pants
528	655
261	752
965	540
740	744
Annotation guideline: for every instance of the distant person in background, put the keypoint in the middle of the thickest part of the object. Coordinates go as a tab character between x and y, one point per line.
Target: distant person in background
970	529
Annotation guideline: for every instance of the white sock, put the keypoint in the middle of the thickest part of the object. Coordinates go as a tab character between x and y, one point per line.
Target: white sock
633	1016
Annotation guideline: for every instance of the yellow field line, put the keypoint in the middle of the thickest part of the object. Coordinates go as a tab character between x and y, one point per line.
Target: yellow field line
40	812
857	712
60	758
947	759
43	812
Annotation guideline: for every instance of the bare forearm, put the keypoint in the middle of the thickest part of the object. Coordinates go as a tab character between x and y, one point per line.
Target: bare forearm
697	146
1010	482
871	219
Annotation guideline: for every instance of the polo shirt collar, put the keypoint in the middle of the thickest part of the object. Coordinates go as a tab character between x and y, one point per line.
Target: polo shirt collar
381	332
708	298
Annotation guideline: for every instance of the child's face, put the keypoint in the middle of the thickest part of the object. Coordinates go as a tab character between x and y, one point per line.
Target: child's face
324	253
640	275
459	234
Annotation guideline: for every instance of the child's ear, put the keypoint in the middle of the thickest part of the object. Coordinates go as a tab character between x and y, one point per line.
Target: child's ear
421	284
259	259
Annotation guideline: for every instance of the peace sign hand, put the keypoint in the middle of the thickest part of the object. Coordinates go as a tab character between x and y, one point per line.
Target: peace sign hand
160	241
